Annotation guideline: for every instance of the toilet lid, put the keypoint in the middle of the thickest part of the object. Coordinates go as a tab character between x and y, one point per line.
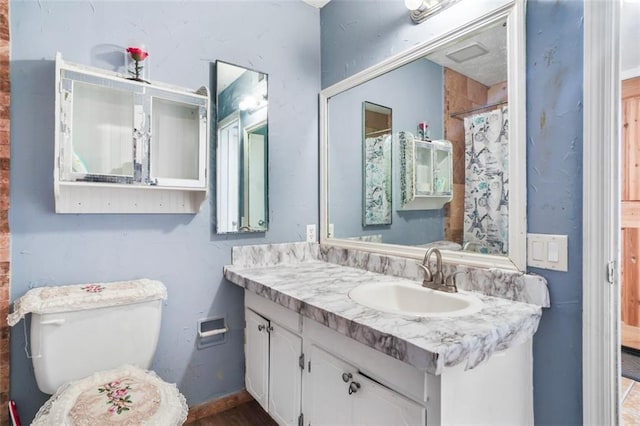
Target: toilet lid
77	297
125	396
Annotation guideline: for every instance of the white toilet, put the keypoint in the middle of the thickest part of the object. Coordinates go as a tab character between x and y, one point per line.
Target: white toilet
91	345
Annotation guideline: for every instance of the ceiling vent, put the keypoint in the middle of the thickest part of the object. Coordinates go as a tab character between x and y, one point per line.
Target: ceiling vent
467	52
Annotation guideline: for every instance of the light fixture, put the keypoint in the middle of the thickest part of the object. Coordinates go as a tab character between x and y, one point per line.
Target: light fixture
251	103
420	10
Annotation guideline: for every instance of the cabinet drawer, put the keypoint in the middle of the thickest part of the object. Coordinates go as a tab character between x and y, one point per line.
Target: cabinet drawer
283	316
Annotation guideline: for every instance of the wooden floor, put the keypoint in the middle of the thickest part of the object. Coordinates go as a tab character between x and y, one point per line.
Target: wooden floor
630	401
630	336
246	414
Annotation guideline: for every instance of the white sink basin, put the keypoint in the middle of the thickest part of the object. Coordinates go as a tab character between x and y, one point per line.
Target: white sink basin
414	300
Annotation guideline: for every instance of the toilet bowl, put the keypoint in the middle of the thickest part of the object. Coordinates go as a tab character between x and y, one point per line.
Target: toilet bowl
91	347
127	395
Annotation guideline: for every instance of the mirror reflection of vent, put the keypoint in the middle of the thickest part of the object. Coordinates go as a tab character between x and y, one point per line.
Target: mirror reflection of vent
467	52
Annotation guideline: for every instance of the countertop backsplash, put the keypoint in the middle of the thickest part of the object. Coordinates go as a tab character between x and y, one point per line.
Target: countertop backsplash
511	285
273	254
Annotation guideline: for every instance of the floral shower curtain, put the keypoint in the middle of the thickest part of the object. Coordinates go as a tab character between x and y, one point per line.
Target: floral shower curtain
486	200
377	181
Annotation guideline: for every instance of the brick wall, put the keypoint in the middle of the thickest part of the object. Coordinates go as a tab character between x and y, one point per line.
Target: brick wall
460	94
5	253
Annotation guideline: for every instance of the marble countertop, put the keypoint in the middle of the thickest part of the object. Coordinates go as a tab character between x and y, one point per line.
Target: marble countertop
319	290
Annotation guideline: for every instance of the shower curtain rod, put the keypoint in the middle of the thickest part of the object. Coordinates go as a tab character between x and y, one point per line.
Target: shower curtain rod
456	114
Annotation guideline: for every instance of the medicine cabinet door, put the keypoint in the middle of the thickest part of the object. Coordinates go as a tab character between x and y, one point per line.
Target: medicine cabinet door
423	169
178	140
443	173
97	125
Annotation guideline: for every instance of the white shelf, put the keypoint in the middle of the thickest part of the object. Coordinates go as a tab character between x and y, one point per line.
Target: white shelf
90	197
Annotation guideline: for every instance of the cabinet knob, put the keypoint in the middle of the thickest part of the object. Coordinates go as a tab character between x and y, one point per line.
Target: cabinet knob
353	387
346	377
269	329
260	327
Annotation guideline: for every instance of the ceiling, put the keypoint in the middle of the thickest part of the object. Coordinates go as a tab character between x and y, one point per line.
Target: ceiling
226	74
488	69
491	68
630	39
316	3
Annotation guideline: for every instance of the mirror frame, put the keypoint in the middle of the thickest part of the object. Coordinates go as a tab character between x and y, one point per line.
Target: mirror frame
467	18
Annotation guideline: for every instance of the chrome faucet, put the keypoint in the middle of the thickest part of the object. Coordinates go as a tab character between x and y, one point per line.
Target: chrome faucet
436	280
433	280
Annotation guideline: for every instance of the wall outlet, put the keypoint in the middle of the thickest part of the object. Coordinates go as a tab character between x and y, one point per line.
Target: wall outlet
311	233
330	231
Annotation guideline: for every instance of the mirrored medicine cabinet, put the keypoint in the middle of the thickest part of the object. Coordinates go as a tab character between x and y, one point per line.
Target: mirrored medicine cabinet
465	83
125	146
242	141
426	173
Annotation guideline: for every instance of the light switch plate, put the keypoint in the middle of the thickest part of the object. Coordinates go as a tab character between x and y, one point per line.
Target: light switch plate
548	251
537	250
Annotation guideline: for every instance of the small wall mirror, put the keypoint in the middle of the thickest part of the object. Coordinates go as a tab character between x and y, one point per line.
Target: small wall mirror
458	100
376	164
242	149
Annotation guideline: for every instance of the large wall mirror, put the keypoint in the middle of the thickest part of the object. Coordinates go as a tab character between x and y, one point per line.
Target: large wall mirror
241	152
460	96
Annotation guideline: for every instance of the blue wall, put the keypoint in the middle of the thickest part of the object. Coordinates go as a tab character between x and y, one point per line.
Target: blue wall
281	38
554	195
415	93
356	37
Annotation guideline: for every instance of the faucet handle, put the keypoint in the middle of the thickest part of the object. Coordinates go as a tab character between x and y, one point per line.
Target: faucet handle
451	280
428	277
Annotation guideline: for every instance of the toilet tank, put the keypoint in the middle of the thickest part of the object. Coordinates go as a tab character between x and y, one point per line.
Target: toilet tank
70	345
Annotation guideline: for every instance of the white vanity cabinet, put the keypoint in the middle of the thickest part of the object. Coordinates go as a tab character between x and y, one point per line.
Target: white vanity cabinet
124	146
273	357
337	394
301	372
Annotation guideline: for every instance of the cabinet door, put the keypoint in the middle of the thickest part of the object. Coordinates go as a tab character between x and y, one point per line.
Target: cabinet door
328	402
423	169
96	129
285	375
374	404
178	139
443	173
256	353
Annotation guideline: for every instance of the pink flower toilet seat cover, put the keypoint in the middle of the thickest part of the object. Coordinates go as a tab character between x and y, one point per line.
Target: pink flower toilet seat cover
75	297
124	396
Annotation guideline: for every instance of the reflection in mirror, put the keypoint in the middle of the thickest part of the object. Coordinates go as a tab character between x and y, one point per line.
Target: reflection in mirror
455	96
242	147
376	163
99	147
